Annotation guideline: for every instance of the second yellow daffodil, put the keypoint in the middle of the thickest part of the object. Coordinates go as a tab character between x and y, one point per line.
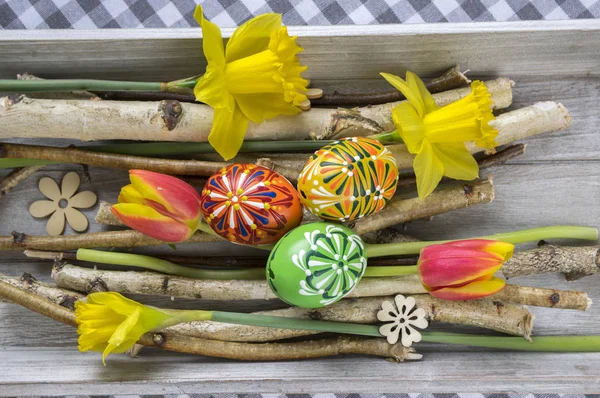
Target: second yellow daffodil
256	77
437	136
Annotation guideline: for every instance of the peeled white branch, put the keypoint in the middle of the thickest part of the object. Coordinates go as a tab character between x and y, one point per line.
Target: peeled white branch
173	121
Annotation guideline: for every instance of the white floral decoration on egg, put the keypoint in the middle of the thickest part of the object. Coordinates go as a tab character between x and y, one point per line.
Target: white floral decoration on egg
403	320
63	204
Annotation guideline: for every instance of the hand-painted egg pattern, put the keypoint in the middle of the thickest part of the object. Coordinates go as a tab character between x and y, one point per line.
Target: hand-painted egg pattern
348	179
250	204
316	264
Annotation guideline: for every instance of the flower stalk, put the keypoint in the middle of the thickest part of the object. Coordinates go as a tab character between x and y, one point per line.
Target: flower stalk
62	85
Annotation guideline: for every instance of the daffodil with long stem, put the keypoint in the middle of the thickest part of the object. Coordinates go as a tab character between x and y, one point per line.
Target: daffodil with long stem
437	136
257	76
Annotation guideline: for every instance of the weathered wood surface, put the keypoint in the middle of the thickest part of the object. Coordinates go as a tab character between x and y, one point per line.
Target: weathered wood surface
556	182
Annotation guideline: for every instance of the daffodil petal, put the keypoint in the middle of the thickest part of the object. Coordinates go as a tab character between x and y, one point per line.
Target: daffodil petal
414	97
227	133
211	88
409	125
123	331
428	170
212	41
252	37
416	83
457	160
258	107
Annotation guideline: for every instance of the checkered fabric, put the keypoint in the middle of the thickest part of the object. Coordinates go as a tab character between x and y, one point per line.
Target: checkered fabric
91	14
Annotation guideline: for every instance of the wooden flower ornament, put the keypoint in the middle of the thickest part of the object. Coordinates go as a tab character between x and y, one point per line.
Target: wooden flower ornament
250	204
256	77
63	203
348	179
316	264
403	319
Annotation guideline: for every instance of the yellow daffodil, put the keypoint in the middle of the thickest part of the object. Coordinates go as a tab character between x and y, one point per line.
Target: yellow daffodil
256	77
437	136
109	322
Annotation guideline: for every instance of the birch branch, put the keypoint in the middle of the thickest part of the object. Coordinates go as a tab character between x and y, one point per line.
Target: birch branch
494	315
574	262
399	211
221	349
170	120
540	297
512	126
148	283
127	238
53	294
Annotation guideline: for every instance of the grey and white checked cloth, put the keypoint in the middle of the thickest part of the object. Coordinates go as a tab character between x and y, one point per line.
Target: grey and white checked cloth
92	14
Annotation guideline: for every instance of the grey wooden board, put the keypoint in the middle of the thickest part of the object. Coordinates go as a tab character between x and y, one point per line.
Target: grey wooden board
556	182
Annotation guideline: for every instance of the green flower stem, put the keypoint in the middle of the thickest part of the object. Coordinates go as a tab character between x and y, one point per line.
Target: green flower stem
204	227
540	343
515	237
56	85
166	267
9	163
390	137
400	270
293	323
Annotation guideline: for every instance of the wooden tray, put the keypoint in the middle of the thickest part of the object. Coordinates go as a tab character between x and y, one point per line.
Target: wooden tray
557	182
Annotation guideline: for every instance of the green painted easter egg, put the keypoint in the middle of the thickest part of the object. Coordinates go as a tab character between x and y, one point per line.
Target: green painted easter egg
316	264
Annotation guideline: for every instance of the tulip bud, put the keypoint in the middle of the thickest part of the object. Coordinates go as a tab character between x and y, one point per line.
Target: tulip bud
463	270
159	206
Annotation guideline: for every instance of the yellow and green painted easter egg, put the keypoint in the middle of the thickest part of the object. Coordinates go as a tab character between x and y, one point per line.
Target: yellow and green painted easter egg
348	179
316	264
250	204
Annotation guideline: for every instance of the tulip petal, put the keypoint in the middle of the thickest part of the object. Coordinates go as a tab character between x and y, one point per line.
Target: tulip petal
228	131
449	250
83	200
129	194
49	188
166	194
70	184
151	223
457	160
252	37
502	249
212	41
470	291
455	271
428	170
414	97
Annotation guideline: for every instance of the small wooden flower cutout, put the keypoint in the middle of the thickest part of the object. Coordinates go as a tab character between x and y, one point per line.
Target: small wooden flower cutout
403	319
63	204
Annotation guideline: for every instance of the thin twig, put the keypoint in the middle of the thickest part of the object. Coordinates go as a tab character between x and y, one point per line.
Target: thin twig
574	262
494	315
485	162
399	211
127	238
239	351
15	177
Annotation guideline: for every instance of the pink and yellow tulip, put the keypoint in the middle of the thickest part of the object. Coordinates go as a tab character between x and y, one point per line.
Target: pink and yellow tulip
463	270
159	206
